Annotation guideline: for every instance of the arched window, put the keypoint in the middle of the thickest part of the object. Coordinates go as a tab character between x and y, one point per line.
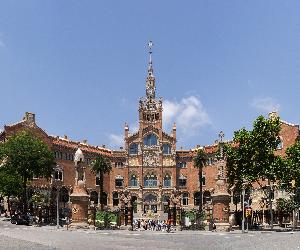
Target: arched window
133	149
119	181
185	199
94	197
150	198
104	199
133	180
134	203
280	143
150	140
197	198
150	180
166	198
167	180
181	164
206	197
115	199
166	148
182	181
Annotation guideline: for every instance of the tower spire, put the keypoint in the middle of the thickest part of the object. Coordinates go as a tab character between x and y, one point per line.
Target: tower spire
150	81
150	67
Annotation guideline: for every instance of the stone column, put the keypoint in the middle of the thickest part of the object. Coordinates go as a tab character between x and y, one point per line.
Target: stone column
122	216
171	209
140	203
129	218
220	202
125	203
80	200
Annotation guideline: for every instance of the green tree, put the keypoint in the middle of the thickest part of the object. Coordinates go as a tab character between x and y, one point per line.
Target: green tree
291	175
200	162
251	156
293	163
10	185
23	156
101	165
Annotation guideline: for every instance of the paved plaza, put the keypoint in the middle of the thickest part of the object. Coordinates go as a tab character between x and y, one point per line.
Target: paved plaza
23	237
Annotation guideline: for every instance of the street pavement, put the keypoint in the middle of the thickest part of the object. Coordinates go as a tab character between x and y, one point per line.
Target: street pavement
47	237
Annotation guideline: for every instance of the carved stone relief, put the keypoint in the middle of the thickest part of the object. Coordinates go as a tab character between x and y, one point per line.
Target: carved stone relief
169	161
133	161
151	159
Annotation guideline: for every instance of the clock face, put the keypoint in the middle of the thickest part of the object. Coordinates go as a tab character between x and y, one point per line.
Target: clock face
150	91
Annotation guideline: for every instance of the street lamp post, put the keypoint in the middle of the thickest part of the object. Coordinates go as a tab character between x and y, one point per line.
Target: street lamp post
243	209
58	186
270	203
57	208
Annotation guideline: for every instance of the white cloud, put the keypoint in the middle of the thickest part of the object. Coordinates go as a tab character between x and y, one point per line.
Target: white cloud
189	115
266	104
170	109
116	140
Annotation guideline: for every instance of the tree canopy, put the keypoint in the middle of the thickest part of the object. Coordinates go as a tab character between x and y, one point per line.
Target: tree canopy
200	159
24	156
251	156
293	161
101	165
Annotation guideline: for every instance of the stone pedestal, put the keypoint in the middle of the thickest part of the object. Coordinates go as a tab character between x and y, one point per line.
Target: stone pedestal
125	206
220	202
80	200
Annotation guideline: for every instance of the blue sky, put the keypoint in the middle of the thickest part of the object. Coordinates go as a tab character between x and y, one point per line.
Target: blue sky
81	65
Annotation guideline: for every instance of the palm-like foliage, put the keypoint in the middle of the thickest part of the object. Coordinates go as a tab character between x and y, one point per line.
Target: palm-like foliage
101	166
200	162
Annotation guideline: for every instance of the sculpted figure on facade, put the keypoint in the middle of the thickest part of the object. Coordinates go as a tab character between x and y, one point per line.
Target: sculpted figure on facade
125	198
175	198
169	161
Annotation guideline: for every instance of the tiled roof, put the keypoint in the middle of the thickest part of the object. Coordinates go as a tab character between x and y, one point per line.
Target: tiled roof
290	124
83	146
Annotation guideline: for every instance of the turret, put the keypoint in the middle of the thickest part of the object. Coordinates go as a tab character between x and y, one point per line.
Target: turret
126	130
174	130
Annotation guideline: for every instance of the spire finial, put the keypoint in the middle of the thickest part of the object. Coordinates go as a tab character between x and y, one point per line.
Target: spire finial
150	68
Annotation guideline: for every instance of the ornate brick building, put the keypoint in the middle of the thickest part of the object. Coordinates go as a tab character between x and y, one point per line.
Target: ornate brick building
149	164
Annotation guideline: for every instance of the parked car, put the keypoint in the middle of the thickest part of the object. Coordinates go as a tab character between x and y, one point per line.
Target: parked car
20	219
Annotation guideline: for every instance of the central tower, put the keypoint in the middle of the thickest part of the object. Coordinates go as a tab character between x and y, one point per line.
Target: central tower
151	153
150	109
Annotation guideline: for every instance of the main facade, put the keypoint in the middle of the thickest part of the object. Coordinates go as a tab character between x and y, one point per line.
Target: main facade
149	164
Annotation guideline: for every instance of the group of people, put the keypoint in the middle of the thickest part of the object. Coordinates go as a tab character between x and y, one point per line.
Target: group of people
152	224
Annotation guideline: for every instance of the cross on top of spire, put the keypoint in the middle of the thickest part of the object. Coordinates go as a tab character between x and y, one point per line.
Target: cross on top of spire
150	68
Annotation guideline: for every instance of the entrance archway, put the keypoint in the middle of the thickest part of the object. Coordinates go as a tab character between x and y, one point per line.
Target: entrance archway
150	203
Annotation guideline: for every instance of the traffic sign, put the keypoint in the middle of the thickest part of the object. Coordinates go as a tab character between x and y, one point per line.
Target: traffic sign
248	212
